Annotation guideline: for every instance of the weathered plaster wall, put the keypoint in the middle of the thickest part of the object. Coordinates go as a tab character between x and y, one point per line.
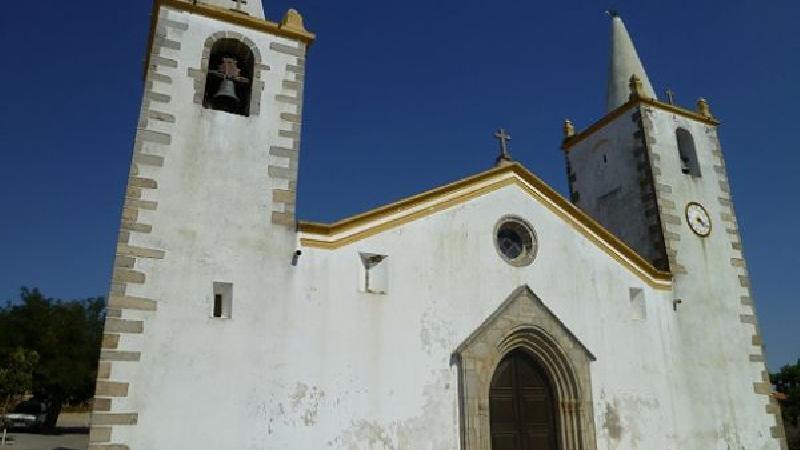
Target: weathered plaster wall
719	339
445	279
610	178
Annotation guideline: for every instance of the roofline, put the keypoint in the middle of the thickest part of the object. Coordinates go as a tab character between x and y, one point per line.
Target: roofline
398	206
636	101
288	29
323	236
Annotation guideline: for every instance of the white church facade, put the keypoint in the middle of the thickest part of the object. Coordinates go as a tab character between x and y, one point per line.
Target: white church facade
489	313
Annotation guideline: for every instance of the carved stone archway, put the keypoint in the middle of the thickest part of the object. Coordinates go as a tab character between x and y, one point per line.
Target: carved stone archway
523	322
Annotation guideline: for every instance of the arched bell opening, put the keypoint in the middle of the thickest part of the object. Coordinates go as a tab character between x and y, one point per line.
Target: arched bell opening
229	80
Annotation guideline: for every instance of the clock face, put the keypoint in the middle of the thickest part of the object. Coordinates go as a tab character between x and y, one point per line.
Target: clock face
698	219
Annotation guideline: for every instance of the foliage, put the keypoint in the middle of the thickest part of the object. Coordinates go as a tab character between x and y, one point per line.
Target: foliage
787	382
16	376
66	337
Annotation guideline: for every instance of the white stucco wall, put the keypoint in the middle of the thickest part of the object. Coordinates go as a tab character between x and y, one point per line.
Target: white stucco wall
313	361
607	180
714	343
445	279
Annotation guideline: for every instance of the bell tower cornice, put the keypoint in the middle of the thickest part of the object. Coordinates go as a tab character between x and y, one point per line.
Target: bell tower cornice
291	25
703	115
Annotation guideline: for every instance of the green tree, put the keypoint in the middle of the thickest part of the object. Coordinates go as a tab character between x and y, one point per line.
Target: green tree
16	376
787	382
66	336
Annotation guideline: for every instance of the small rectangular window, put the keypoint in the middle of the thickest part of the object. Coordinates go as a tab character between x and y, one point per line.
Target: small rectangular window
638	308
374	276
223	300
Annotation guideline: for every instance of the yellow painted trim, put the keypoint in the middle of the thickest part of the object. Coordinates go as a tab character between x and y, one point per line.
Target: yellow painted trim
398	206
708	120
612	115
371	231
289	29
237	18
527	181
605	120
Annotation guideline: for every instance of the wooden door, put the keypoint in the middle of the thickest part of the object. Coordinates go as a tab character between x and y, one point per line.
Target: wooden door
521	406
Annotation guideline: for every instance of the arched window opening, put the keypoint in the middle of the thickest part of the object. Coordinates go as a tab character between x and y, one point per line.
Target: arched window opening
229	81
687	152
521	405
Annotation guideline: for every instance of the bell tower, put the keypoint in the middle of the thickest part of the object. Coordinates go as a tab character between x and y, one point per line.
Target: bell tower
653	173
208	225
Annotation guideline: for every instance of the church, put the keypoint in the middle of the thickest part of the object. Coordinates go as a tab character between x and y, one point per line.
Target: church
488	313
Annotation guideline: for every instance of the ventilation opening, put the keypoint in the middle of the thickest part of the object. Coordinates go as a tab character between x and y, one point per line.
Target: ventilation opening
638	308
687	152
229	80
374	273
223	300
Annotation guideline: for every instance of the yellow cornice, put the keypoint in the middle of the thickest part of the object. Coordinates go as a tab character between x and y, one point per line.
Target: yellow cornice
288	29
324	236
708	120
396	207
292	29
605	120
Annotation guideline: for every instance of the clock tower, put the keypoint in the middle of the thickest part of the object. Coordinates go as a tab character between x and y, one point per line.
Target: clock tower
654	174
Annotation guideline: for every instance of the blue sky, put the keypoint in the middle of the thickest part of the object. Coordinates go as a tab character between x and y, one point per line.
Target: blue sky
400	97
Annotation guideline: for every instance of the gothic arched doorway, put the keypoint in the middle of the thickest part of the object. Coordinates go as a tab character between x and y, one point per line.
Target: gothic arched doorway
521	405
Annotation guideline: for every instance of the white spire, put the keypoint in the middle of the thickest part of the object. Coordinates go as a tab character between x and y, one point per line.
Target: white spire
624	63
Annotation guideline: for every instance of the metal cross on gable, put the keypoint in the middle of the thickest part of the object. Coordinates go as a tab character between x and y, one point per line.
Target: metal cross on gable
670	96
503	137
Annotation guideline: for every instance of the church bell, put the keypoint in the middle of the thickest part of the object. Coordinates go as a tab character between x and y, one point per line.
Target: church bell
225	98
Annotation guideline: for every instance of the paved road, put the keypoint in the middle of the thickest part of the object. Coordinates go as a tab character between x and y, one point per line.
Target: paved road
25	441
